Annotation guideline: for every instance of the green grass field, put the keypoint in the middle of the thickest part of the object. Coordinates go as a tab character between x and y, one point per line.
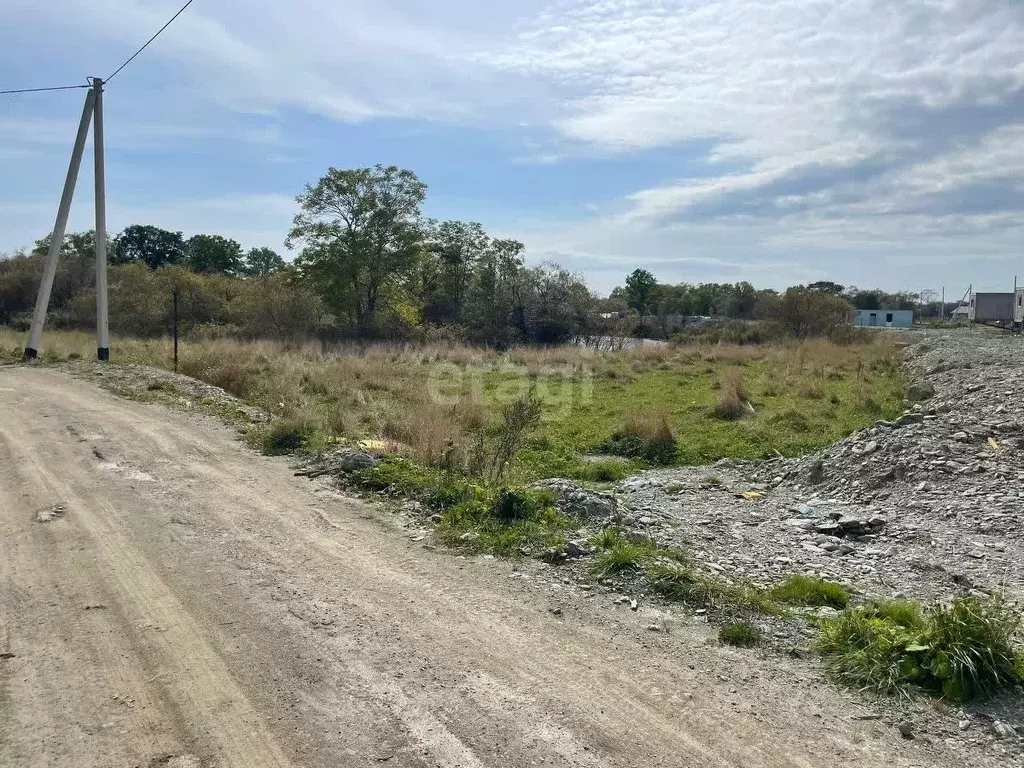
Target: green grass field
430	401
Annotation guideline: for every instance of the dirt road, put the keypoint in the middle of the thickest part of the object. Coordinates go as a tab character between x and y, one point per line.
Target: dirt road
169	598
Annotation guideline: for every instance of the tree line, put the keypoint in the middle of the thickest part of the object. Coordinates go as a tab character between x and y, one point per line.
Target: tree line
371	265
658	309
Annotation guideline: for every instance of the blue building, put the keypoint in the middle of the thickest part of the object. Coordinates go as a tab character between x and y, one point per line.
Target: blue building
884	318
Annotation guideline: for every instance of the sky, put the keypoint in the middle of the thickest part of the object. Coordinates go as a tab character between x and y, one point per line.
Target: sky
869	142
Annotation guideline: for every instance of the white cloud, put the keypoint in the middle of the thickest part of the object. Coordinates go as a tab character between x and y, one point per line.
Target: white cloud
823	136
889	131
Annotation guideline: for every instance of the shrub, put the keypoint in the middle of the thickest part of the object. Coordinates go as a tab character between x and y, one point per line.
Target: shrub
286	435
732	398
645	436
806	590
508	524
518	420
510	506
622	555
741	634
605	471
959	650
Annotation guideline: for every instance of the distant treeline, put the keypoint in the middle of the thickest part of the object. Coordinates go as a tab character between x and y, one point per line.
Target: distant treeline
371	266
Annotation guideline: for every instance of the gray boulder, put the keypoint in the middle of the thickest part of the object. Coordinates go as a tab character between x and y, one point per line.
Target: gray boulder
918	393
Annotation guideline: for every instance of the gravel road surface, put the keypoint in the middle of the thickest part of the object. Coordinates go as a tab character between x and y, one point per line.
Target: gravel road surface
169	598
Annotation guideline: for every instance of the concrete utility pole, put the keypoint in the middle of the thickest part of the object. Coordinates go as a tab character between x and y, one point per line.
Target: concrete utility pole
91	112
102	331
57	238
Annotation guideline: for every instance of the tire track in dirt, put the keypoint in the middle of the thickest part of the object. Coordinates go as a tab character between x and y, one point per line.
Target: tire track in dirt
254	622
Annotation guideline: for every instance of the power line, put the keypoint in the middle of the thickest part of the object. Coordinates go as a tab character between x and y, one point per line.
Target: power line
37	90
154	37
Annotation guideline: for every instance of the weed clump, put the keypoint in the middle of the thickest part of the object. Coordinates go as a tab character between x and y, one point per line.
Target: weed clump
644	436
732	399
675	581
741	634
809	591
510	524
286	435
959	650
619	554
604	471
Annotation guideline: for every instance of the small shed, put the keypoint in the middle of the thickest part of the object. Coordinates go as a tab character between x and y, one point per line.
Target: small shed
991	308
884	318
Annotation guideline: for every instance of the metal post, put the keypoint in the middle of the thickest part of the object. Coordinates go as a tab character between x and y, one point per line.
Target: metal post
175	330
102	329
57	238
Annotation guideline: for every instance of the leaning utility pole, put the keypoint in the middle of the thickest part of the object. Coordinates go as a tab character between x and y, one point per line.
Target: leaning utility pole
93	110
57	237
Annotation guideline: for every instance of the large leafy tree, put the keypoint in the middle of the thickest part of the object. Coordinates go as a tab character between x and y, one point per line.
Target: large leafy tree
362	238
495	309
151	245
640	290
827	286
453	251
214	254
261	262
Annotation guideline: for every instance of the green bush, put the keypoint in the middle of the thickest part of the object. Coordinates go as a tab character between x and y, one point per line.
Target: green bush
604	471
643	436
512	505
959	650
741	634
622	555
286	435
806	590
506	524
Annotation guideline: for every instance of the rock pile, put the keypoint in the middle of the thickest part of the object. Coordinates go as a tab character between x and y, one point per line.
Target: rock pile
337	462
930	505
577	501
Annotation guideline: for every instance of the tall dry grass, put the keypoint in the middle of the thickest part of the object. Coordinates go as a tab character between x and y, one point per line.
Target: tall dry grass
732	398
382	390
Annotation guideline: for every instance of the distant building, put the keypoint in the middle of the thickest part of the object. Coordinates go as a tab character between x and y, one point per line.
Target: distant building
884	318
1002	309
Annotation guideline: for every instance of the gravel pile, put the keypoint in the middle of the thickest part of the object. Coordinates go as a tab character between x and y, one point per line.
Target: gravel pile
927	506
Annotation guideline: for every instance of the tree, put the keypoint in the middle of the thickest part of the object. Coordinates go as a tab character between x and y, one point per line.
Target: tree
76	266
495	311
453	249
260	262
803	312
150	245
559	307
827	286
214	254
640	288
740	301
362	235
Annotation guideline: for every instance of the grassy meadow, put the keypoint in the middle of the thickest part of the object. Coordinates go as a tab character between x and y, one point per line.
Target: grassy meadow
433	402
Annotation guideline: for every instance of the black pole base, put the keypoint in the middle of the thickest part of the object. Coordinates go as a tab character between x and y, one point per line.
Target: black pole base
30	354
103	353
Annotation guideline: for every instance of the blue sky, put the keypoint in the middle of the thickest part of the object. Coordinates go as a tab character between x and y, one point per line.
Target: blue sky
778	141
